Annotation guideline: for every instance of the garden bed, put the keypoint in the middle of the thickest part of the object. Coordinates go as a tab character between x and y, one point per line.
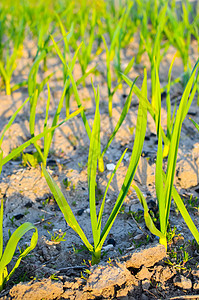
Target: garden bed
133	265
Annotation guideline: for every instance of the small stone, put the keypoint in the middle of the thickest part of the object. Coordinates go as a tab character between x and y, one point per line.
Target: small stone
147	138
51	162
28	204
192	112
151	203
107	247
110	167
130	248
41	258
19	216
146	284
111	241
182	282
138	237
87	211
80	212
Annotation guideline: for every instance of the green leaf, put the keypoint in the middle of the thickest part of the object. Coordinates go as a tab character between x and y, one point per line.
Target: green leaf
107	187
158	174
168	101
33	105
94	152
11	121
172	157
19	149
86	124
3	71
194	123
136	153
33	159
148	220
65	208
44	81
11	247
185	214
121	119
1	229
58	51
34	70
46	136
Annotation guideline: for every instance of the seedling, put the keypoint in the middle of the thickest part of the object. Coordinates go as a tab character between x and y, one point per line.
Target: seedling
98	236
45	202
54	277
138	216
57	237
109	57
171	233
8	61
6	255
180	257
181	27
164	182
145	241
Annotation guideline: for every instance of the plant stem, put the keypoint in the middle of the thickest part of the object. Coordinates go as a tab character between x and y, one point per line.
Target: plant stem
8	89
110	99
96	257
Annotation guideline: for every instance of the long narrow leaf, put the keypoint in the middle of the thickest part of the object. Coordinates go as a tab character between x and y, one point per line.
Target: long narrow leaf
148	219
46	136
65	208
15	152
185	214
121	119
107	187
136	153
158	174
1	229
58	51
175	141
92	168
194	123
12	120
12	244
168	100
86	124
33	106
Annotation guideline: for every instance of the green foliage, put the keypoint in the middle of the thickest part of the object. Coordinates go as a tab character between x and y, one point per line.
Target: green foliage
195	124
87	28
94	152
164	181
7	254
57	237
